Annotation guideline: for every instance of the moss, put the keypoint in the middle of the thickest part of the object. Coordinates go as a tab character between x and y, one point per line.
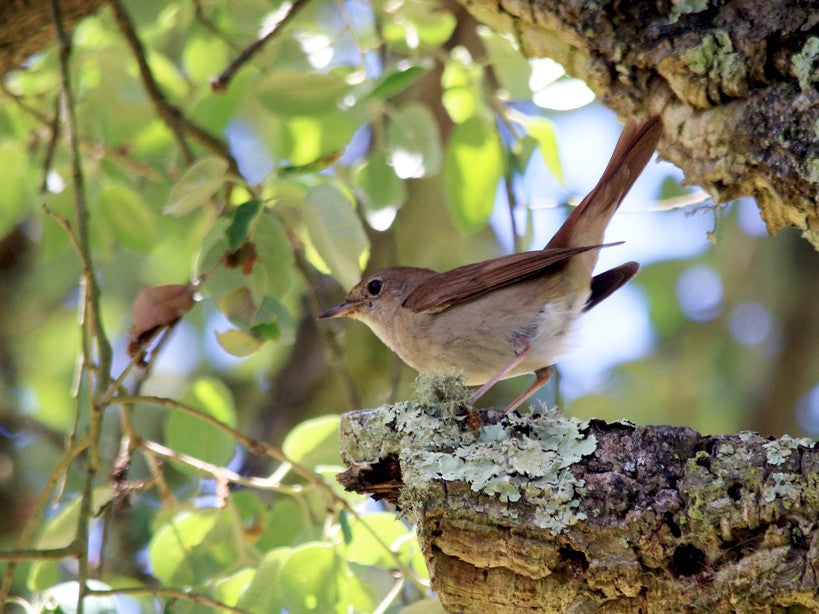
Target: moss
523	458
805	64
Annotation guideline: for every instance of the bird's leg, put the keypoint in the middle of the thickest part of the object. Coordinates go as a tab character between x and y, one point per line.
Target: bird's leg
541	377
516	360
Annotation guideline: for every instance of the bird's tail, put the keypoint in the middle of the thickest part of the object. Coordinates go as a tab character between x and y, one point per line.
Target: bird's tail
587	223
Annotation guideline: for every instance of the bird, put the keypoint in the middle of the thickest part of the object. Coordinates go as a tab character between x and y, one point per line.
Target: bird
510	315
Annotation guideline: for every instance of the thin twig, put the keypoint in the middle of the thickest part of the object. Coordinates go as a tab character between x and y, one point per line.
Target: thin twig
38	510
253	445
199	13
54	135
216	471
50	554
171	593
171	114
287	12
91	322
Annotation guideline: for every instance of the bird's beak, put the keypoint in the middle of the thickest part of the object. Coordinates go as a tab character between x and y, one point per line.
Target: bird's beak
339	311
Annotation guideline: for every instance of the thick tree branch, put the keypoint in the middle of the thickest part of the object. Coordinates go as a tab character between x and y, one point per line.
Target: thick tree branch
735	82
550	514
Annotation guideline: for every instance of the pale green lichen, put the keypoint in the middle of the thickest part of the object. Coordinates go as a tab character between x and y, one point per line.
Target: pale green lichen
786	487
525	458
685	7
780	449
805	64
716	59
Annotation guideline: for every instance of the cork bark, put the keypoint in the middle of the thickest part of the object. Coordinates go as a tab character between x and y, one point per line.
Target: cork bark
734	80
541	513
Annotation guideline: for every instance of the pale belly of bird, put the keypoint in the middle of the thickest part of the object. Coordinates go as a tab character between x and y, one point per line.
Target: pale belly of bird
493	338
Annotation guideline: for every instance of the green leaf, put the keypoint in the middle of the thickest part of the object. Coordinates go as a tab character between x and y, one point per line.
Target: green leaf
130	219
544	132
461	81
242	217
308	579
286	525
60	530
272	313
511	68
274	268
420	22
203	57
314	442
379	184
238	342
336	233
291	92
263	594
395	81
474	165
201	181
231	588
414	142
365	549
193	545
192	435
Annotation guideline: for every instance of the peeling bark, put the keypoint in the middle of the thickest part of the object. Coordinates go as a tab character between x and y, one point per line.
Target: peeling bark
658	519
735	81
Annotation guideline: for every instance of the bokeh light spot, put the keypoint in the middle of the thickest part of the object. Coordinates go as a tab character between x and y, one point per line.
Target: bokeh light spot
750	323
699	292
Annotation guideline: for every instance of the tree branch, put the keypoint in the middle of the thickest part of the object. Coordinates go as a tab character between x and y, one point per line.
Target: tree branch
546	513
738	96
286	13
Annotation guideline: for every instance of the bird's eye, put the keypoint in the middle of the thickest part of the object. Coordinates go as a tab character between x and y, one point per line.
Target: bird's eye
374	287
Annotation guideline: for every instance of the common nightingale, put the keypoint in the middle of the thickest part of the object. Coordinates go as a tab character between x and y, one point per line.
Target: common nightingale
511	315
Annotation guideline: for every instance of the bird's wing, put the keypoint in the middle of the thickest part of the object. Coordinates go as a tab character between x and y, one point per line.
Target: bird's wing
468	282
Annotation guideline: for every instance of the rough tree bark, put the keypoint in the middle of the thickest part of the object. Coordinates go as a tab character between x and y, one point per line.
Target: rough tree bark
27	27
735	81
543	513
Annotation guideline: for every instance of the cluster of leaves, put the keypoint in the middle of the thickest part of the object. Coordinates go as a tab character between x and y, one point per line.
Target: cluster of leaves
321	139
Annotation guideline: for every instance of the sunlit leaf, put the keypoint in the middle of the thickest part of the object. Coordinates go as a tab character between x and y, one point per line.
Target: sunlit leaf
379	184
474	165
544	132
336	232
203	57
364	548
230	589
238	342
511	68
191	546
314	442
197	185
414	142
